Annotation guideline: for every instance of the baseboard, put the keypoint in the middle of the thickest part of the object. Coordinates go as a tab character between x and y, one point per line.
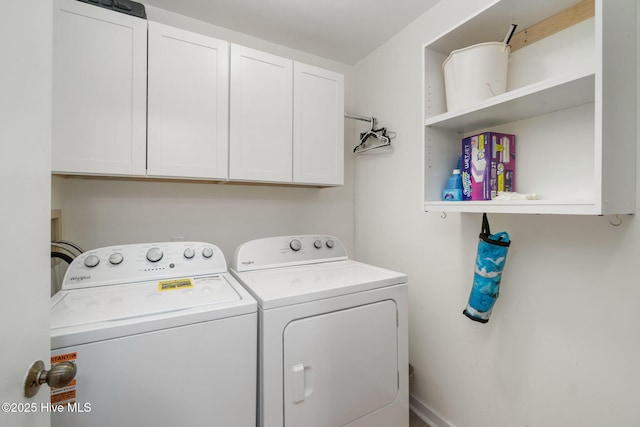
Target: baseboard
427	415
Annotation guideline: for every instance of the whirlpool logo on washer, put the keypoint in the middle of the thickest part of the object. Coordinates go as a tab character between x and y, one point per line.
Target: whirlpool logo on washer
79	278
248	262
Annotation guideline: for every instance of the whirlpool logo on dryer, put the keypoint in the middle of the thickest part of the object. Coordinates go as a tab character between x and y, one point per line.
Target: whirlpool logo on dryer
79	278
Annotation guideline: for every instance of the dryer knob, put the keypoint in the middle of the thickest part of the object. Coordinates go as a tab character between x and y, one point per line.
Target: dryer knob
330	244
189	253
116	258
317	244
207	252
91	261
295	245
154	254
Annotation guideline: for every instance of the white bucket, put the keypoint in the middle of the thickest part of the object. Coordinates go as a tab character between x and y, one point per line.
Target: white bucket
475	73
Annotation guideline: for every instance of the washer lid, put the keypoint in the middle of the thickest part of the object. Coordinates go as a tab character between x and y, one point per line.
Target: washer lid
134	302
278	287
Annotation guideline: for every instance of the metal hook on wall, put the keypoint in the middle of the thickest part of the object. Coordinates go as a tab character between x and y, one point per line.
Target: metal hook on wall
617	223
443	215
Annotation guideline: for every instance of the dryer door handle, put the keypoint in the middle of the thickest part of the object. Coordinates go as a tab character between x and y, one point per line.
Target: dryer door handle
297	372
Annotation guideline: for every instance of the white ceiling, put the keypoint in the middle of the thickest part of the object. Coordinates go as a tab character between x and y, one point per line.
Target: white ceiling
342	30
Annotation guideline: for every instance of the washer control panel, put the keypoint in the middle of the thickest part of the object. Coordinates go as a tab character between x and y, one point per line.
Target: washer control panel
286	251
142	262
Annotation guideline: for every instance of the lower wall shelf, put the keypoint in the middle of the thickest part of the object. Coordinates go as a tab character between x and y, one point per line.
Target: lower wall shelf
513	207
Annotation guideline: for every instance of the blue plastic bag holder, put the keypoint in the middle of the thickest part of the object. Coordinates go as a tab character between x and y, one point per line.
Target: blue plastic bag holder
490	261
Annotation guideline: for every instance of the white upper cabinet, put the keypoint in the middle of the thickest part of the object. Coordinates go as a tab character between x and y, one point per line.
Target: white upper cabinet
188	104
286	121
99	90
261	116
570	101
318	126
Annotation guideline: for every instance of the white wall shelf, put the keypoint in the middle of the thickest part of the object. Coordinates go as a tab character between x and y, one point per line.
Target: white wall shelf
570	101
514	207
539	98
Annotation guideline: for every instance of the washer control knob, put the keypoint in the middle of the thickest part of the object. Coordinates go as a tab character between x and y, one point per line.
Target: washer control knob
189	253
91	261
207	252
317	244
295	245
116	258
154	254
330	244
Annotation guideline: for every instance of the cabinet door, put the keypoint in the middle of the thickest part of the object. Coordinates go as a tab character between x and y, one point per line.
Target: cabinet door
188	104
318	126
99	90
260	147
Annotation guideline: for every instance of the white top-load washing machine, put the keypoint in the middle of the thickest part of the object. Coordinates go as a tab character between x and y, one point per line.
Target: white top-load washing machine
162	335
332	334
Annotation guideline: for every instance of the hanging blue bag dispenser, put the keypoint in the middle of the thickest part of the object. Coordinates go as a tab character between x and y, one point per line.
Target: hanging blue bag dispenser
492	255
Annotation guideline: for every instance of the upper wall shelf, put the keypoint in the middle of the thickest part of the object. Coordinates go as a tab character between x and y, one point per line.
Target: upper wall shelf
539	98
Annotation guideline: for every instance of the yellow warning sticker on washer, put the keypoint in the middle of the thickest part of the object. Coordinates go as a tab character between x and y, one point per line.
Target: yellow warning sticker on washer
172	285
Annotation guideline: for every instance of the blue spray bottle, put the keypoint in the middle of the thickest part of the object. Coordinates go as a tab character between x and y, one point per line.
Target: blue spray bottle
453	192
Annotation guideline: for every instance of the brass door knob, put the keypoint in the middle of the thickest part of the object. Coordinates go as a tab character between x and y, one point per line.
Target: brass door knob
60	375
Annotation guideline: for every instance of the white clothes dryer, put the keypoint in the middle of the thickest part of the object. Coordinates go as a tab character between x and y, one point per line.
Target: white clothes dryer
333	340
162	335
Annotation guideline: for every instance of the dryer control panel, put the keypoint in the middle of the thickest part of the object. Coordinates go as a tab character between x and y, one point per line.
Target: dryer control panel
142	262
288	251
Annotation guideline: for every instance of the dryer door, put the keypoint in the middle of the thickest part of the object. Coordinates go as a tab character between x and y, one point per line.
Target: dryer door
340	366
